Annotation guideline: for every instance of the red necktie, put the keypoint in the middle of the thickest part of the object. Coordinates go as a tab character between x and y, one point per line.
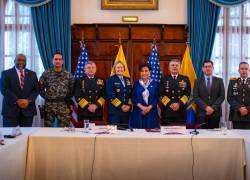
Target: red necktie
21	78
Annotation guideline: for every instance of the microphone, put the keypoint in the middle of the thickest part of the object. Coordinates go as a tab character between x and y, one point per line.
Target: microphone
195	132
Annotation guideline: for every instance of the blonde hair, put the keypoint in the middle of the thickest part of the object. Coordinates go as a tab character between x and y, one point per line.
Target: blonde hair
116	63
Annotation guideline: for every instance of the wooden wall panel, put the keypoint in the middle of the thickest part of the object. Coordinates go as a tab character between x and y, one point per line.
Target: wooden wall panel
102	44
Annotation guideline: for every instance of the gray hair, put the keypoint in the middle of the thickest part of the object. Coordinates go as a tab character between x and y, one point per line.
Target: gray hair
90	62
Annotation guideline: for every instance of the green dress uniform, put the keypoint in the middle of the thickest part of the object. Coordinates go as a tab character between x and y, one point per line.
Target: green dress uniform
174	90
57	89
90	91
238	95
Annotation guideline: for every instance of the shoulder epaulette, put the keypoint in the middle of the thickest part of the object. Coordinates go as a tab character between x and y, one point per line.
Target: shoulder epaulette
233	78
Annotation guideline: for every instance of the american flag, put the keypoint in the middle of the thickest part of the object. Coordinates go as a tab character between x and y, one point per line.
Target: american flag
82	60
155	73
79	72
154	63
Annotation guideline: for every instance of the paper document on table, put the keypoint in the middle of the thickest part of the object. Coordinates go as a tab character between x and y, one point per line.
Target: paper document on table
173	130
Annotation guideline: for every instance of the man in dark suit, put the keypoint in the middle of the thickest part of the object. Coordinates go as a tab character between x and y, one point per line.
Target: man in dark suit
238	96
19	87
209	94
174	93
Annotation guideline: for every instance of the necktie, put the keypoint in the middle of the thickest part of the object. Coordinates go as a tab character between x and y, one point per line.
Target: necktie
243	83
21	78
122	80
174	77
208	84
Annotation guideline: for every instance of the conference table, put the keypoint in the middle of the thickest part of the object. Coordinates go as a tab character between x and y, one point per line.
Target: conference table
58	154
13	154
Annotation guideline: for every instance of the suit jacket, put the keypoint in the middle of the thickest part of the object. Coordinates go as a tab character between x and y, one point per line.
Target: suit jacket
11	91
203	98
117	94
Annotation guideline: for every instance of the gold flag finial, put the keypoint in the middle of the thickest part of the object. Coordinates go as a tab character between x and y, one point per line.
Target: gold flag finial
120	38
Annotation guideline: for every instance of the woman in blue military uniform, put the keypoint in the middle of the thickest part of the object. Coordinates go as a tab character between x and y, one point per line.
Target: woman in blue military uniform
119	91
145	98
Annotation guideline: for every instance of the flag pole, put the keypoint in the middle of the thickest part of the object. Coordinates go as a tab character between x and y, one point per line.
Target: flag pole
154	42
82	42
120	38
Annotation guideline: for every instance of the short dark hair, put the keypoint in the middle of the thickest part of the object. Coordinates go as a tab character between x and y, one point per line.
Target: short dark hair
20	55
144	65
207	61
57	53
175	60
243	62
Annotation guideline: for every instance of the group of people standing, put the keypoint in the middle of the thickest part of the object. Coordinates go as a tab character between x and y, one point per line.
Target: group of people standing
129	105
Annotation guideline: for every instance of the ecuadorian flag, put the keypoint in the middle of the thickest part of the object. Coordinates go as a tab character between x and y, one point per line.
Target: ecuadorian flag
187	69
121	57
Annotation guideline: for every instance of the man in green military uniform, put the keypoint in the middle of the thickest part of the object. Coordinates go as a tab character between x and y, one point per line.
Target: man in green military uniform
174	93
90	95
238	96
56	87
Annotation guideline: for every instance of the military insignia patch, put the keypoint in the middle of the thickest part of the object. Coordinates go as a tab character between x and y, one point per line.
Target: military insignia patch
182	84
128	83
100	82
235	85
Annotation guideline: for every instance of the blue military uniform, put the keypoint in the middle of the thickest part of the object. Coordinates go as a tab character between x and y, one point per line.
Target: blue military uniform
118	94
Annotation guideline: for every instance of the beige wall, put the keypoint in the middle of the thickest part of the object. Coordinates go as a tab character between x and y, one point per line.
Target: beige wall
89	11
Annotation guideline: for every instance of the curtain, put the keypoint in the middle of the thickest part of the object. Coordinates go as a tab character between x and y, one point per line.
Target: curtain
17	36
33	3
228	3
202	23
53	31
232	44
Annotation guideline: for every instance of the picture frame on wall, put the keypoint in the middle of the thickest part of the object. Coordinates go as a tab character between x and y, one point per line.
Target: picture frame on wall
129	4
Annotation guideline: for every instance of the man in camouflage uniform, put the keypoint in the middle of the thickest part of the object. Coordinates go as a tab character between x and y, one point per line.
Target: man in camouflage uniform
56	87
174	92
238	96
90	95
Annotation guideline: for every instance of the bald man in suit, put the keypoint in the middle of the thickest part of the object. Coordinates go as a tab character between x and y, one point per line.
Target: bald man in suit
19	87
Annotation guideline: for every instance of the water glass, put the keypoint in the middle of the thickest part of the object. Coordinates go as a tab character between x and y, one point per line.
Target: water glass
224	127
112	129
86	126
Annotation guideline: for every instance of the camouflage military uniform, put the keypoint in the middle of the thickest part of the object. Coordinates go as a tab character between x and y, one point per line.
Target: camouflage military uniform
57	89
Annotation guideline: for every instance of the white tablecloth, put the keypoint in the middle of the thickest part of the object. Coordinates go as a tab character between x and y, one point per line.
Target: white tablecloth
13	155
56	154
246	135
